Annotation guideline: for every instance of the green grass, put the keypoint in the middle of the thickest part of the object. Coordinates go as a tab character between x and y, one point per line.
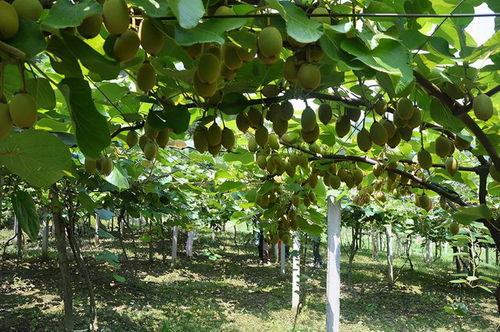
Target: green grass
234	293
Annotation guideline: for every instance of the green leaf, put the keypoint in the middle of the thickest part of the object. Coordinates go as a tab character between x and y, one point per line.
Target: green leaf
25	210
298	25
41	89
63	61
209	31
188	12
65	14
91	128
152	8
105	214
230	185
91	59
466	215
177	118
38	157
443	116
118	177
441	46
119	278
29	38
232	103
241	155
86	202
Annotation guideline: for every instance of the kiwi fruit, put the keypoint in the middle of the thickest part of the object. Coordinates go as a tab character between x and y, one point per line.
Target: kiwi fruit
451	165
149	131
321	19
252	144
28	9
398	122
91	26
424	159
270	42
262	136
416	119
200	139
152	39
5	120
364	140
9	20
280	127
214	134
495	174
461	144
394	140
358	176
378	169
230	56
342	126
405	109
214	149
389	127
314	53
273	112
261	161
193	50
270	90
352	113
290	70
23	110
227	138
146	77
126	45
208	68
227	73
247	53
378	134
325	113
286	111
143	139
454	228
290	169
255	118
224	10
163	137
267	60
90	165
425	202
106	165
405	133
380	106
242	122
310	136
205	90
452	90
150	150
483	107
274	141
309	76
132	139
116	16
308	119
443	146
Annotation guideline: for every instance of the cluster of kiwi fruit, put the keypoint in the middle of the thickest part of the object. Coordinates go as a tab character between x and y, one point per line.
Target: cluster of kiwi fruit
211	139
104	165
10	15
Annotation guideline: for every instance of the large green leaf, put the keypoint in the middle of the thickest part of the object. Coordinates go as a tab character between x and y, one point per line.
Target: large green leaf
25	210
443	116
93	60
91	128
63	61
152	8
467	215
65	14
188	12
298	25
177	118
29	38
211	30
118	177
38	157
41	89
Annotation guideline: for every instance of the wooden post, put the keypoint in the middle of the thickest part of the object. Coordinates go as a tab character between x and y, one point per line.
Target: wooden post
175	233
388	234
333	270
276	253
282	258
374	245
189	244
97	226
19	237
296	271
487	254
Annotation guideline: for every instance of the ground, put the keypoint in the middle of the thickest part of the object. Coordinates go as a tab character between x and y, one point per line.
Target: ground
231	292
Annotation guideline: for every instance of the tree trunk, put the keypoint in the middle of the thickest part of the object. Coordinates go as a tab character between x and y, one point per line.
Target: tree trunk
45	238
189	244
428	255
390	271
19	238
496	257
175	233
282	257
374	245
333	269
408	252
296	271
150	244
487	253
60	236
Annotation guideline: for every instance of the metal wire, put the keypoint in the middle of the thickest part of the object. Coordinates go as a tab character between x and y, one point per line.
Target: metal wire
371	15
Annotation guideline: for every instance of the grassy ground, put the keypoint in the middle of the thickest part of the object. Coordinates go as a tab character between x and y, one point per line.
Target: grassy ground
234	293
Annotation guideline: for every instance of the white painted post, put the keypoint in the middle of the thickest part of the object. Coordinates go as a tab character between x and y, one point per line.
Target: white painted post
189	244
282	257
175	233
97	226
16	233
388	234
427	251
276	253
45	236
374	245
296	271
333	270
